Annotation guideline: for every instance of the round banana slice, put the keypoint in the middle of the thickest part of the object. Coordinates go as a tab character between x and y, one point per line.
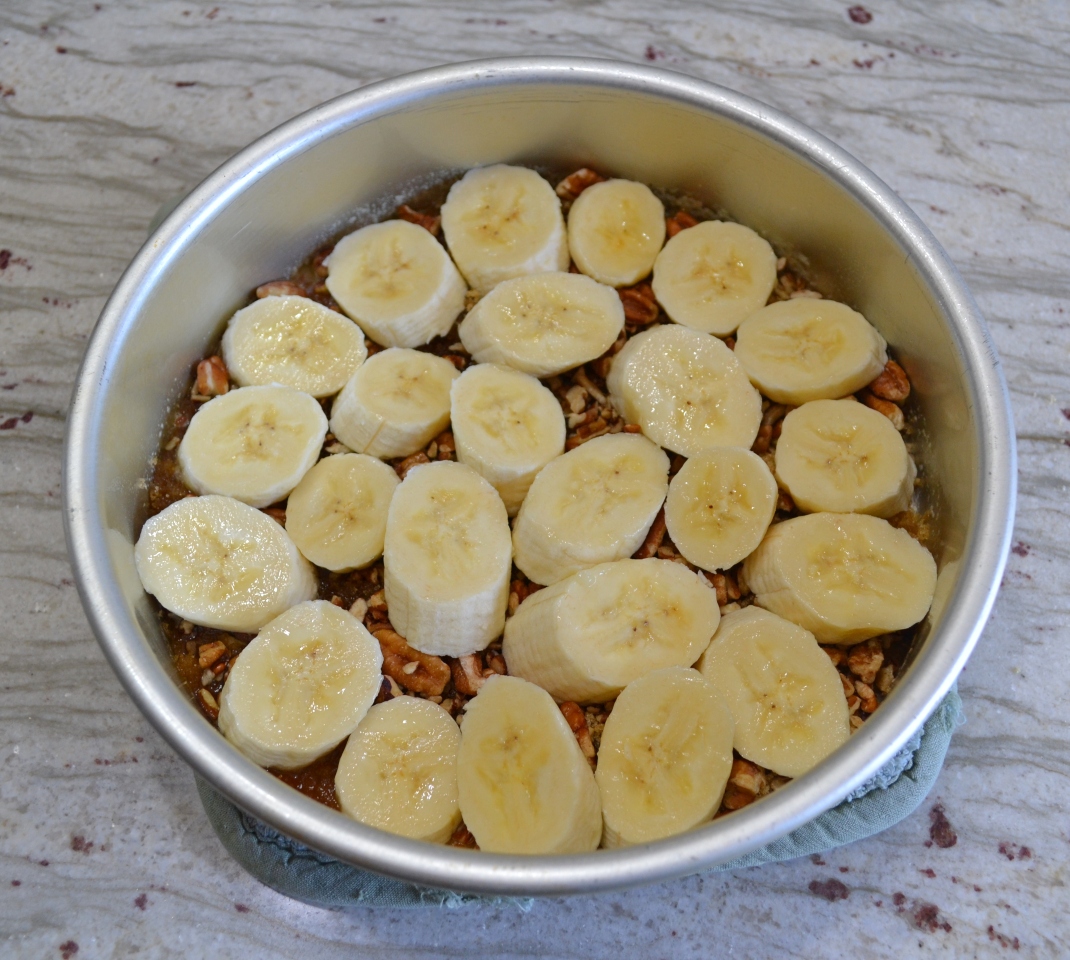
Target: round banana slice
591	505
588	636
301	687
502	222
293	341
396	403
448	559
337	513
783	691
524	784
253	443
397	282
800	350
844	577
841	456
665	757
543	324
719	506
713	275
685	389
218	562
615	230
507	427
398	771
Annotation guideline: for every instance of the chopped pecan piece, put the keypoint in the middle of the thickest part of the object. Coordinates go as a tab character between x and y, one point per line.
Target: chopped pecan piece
654	536
848	685
468	674
278	514
868	698
212	377
359	609
576	398
280	288
577	721
584	381
429	676
640	307
836	655
575	183
774	413
446	445
886	678
681	220
458	361
889	409
632	428
209	653
430	223
208	703
408	463
462	837
495	664
784	502
892	383
745	782
724	585
865	660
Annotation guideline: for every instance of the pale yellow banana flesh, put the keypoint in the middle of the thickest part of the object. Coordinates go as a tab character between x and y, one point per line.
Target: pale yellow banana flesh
720	504
253	443
664	758
845	577
713	275
843	457
588	636
295	342
337	513
398	771
301	686
784	693
524	785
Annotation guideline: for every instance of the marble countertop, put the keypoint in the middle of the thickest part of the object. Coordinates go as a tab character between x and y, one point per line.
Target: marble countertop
108	109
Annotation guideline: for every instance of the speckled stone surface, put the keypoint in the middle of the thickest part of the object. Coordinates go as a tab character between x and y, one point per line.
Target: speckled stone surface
108	109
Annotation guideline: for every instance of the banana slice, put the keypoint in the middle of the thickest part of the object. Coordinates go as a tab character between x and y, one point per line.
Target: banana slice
397	282
301	687
395	403
448	560
719	506
844	577
590	505
218	562
502	222
685	389
337	513
398	771
665	757
713	275
615	230
507	427
293	341
253	443
841	456
543	324
524	785
800	350
783	691
587	637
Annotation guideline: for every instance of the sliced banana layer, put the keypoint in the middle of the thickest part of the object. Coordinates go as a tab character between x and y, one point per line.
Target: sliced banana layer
719	506
253	443
293	341
590	505
218	562
784	693
665	757
395	404
301	687
800	350
448	559
615	230
841	456
713	275
588	636
844	577
507	427
337	513
502	222
524	785
397	282
685	389
543	324
398	771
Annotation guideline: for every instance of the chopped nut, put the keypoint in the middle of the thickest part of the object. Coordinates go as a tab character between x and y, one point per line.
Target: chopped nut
719	583
575	419
919	526
584	381
853	703
781	263
848	686
575	183
209	653
869	700
416	460
730	608
856	722
280	288
208	703
447	705
395	690
186	627
496	663
632	428
384	690
471	298
805	295
681	220
278	514
377	601
468	674
666	552
577	721
430	674
446	445
207	677
359	609
172	443
459	362
577	398
432	450
865	660
745	782
889	409
640	307
212	377
654	537
741	584
886	678
730	587
891	384
514	603
762	441
836	655
431	224
775	412
463	838
784	502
